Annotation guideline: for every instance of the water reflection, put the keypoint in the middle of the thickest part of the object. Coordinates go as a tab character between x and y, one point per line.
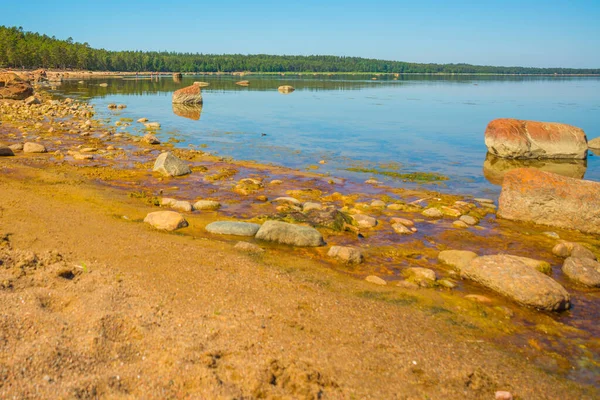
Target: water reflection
190	111
495	167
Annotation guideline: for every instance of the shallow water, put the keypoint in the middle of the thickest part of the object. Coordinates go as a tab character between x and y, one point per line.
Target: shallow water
414	123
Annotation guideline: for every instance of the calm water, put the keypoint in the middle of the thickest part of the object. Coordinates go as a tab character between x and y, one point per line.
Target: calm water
430	124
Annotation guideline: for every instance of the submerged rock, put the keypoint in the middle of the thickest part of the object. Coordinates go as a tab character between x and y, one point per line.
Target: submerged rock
233	228
582	270
550	199
433	213
166	220
513	278
295	235
169	165
458	259
349	255
512	138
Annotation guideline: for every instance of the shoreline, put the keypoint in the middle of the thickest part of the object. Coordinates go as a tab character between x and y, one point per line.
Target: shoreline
123	174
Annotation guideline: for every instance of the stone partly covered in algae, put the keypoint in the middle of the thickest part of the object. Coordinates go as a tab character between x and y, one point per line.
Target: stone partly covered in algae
513	138
166	220
550	199
422	276
458	259
582	270
233	228
348	255
188	95
169	165
295	235
365	221
513	278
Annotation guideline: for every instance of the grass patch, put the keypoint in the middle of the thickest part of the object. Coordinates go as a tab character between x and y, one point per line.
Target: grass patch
146	197
420	177
389	297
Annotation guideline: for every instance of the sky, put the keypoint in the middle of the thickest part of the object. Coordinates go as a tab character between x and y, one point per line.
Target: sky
504	33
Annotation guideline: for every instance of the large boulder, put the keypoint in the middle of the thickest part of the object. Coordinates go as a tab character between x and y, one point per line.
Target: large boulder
513	138
188	95
13	87
494	168
295	235
233	228
512	277
169	165
549	199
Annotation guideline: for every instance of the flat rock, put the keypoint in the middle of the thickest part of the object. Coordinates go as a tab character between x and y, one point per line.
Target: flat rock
432	213
512	138
207	205
469	220
456	258
349	255
169	165
401	229
249	247
166	220
550	199
285	89
582	270
287	200
514	279
406	222
419	275
376	280
295	235
181	206
311	206
365	221
16	147
233	228
460	224
30	147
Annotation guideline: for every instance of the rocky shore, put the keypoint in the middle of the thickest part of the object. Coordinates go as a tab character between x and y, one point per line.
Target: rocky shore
435	256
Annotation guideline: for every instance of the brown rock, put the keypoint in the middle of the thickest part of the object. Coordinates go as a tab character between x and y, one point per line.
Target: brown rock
349	255
570	249
513	138
582	270
243	83
285	89
6	151
550	199
166	220
188	95
13	87
31	147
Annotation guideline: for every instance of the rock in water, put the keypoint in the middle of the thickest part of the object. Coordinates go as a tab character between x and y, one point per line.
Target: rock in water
169	165
550	199
30	147
513	138
458	259
188	95
516	280
285	89
295	235
349	255
583	270
166	220
233	228
594	143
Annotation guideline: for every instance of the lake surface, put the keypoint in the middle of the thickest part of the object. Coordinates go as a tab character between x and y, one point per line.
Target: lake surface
414	123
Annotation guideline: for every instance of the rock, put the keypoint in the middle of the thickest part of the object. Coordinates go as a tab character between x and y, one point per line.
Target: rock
460	224
401	229
469	220
446	283
6	151
188	95
432	213
295	235
582	270
16	147
365	221
549	199
484	201
31	147
81	157
503	395
167	201
479	298
511	277
552	235
166	220
233	228
152	125
150	139
142	120
308	206
169	165
248	247
542	266
103	85
422	276
13	87
32	100
112	106
207	205
121	106
376	280
406	222
451	212
88	150
594	143
202	84
247	186
378	204
512	138
285	89
456	258
349	255
570	249
329	217
243	83
287	200
181	206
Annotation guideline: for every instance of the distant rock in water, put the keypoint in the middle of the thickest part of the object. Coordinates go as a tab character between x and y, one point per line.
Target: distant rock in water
190	111
177	76
286	89
243	83
202	84
549	199
494	168
188	95
513	138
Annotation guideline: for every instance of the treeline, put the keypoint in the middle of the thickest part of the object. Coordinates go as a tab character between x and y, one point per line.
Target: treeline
20	49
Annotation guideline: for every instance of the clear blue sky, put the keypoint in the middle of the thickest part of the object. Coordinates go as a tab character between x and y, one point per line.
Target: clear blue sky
525	33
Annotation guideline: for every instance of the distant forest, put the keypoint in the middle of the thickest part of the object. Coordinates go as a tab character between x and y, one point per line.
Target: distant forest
20	49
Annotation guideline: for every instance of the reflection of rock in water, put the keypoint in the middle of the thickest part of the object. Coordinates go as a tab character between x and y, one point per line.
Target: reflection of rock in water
494	167
177	77
191	111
